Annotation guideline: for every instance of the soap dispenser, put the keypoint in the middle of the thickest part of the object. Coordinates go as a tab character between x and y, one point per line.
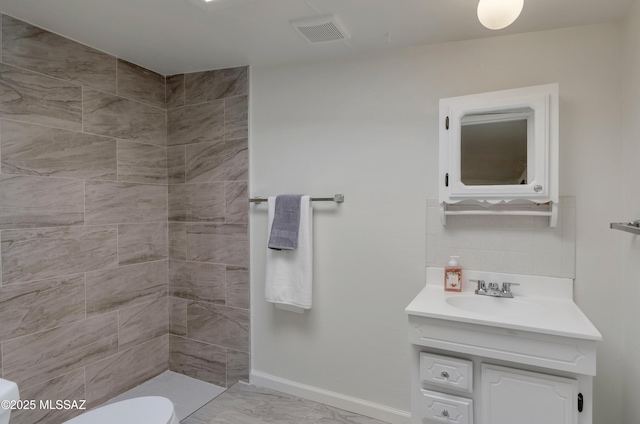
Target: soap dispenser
453	275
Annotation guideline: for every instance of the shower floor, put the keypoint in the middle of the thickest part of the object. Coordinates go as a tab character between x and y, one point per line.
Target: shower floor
187	394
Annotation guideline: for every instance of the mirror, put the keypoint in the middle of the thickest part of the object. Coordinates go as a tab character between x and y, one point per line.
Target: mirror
493	148
500	147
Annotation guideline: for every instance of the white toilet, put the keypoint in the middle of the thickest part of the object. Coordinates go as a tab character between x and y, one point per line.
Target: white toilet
8	391
147	409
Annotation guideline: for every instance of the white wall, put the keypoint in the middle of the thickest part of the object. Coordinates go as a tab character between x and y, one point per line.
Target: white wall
629	285
367	127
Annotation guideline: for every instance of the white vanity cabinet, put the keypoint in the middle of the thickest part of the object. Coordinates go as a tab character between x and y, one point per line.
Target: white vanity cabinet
480	360
533	398
502	393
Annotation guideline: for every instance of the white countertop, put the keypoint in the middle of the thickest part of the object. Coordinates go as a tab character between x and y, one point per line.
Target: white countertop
540	304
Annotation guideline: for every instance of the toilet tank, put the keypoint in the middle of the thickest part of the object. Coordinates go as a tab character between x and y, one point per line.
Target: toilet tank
8	391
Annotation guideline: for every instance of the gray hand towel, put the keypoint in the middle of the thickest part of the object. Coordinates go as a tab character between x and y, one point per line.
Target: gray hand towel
286	222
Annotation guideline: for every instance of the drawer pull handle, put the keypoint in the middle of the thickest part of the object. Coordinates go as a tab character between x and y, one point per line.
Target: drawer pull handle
445	413
444	375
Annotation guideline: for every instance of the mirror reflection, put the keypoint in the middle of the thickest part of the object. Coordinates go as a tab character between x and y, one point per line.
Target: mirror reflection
494	147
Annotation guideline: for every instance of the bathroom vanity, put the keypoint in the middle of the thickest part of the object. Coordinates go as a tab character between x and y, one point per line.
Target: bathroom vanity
481	359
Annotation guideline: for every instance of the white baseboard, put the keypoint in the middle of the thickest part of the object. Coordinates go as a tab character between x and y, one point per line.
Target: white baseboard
337	400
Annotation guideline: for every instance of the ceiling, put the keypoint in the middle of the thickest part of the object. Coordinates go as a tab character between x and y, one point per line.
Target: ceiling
176	36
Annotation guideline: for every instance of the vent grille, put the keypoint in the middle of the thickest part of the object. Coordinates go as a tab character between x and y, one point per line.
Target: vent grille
321	29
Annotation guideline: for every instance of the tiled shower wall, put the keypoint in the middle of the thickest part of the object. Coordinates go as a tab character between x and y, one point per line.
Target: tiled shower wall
84	205
208	216
83	210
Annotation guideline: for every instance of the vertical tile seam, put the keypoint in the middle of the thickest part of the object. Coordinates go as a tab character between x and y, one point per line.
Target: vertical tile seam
224	137
118	328
226	368
224	118
117	81
82	110
1	48
85	295
167	249
184	89
166	93
84	376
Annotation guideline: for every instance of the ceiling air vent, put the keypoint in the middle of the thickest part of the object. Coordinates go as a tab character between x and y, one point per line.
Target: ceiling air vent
321	29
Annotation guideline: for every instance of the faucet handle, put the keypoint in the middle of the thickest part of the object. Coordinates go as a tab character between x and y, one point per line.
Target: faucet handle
481	285
506	287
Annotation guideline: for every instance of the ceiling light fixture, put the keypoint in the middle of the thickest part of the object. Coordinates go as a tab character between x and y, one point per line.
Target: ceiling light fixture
498	14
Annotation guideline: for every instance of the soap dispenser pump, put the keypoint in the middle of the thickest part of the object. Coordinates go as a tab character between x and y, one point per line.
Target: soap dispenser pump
453	275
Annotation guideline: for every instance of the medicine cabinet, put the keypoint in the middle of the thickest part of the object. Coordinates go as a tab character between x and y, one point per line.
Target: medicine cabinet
499	153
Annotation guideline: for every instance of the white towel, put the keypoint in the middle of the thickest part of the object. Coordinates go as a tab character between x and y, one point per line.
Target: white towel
289	272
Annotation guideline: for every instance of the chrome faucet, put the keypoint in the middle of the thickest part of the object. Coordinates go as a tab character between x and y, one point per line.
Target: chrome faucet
494	289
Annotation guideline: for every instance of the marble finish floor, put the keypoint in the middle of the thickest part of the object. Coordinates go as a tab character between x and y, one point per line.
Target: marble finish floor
198	402
247	404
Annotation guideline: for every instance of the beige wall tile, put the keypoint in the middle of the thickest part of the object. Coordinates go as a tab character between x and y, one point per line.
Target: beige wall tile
236	117
178	316
140	84
39	357
141	323
27	202
121	203
238	367
117	288
202	202
142	243
32	307
37	254
198	360
219	325
67	387
197	281
114	116
237	201
177	240
36	49
29	97
217	84
141	163
125	370
201	123
176	164
218	243
175	91
29	149
226	160
237	283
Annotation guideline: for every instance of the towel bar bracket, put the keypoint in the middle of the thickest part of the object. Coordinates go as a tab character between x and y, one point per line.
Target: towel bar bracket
630	227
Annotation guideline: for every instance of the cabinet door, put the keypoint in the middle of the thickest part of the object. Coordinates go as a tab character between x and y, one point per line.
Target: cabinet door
512	396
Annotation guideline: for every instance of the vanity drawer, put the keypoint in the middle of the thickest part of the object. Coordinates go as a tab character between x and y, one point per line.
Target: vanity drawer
441	408
446	371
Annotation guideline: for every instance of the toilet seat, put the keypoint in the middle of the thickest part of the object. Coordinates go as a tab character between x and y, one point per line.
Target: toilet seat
147	409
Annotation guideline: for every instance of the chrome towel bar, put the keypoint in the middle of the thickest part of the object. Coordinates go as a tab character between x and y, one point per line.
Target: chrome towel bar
338	198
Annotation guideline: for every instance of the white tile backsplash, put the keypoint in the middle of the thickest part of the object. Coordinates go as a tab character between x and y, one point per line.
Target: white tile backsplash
510	244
